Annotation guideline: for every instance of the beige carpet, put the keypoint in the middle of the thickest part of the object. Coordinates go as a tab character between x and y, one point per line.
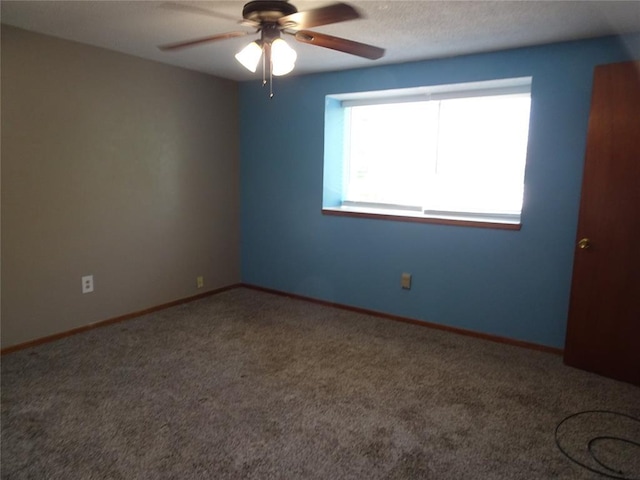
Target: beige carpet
247	384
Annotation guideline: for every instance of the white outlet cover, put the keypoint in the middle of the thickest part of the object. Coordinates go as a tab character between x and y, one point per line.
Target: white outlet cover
87	284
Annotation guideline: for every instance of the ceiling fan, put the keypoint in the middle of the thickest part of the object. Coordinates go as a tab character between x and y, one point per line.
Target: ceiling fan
272	18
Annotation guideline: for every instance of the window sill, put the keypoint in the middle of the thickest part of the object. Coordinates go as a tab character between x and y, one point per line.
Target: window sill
419	217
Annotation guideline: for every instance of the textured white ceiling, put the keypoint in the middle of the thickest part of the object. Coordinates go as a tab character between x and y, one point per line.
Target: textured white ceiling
409	30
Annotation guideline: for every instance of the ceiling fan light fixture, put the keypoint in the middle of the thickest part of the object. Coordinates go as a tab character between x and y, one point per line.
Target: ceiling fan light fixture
283	57
271	19
249	56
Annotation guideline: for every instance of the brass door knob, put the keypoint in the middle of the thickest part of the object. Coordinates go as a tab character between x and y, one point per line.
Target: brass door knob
584	243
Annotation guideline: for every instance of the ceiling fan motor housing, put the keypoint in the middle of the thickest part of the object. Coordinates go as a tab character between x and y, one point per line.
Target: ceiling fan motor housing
269	11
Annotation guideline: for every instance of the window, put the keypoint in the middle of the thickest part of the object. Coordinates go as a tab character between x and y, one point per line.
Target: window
454	152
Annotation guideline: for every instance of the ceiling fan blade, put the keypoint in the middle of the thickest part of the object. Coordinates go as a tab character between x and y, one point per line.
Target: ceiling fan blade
198	41
338	12
340	44
249	23
185	7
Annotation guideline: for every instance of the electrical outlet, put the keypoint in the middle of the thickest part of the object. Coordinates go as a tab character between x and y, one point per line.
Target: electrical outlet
200	281
87	284
405	281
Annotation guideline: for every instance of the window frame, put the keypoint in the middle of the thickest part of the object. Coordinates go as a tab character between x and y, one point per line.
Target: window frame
336	116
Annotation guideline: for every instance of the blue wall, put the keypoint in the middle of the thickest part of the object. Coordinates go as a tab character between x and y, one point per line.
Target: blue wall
514	284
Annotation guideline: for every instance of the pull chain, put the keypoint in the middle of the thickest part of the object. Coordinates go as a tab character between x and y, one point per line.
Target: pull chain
266	60
270	79
264	80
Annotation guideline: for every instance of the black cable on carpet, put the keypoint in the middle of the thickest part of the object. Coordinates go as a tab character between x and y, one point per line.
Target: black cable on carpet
615	472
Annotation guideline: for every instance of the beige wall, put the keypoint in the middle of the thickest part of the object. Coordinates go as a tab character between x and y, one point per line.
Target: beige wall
113	166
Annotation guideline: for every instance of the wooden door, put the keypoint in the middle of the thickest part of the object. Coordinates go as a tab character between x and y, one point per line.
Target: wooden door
603	330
